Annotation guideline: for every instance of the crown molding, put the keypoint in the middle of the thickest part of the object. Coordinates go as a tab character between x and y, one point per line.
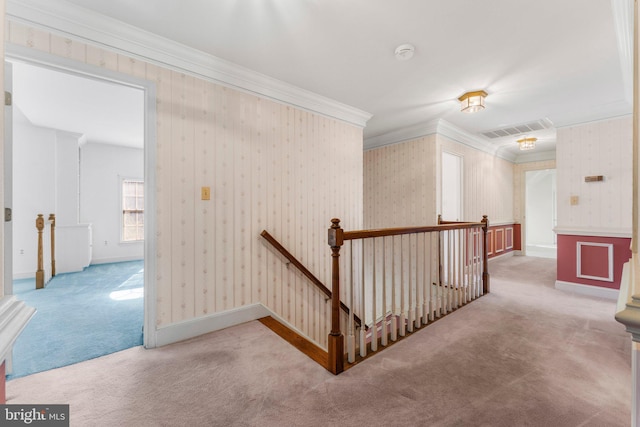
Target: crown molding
440	127
75	22
539	156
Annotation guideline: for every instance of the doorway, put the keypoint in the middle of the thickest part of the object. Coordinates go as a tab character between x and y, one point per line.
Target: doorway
86	182
540	213
451	187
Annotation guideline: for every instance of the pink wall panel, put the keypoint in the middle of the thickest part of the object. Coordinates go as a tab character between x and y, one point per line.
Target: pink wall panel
594	260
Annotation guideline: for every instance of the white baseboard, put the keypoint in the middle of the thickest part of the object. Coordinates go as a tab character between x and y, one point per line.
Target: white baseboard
593	291
115	259
18	276
195	327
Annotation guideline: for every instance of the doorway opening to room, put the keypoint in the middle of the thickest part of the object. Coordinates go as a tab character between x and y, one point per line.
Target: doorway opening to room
540	213
79	152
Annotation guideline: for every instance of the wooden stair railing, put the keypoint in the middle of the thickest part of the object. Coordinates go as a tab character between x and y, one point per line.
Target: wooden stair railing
309	275
453	253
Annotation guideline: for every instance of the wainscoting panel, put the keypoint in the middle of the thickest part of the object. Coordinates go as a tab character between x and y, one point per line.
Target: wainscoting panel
592	260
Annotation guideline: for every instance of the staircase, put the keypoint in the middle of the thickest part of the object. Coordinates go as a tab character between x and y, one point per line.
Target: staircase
390	283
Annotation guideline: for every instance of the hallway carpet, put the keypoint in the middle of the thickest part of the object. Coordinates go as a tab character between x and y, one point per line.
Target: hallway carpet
524	355
80	316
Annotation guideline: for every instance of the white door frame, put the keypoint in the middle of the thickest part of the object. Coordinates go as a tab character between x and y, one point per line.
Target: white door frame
8	190
57	63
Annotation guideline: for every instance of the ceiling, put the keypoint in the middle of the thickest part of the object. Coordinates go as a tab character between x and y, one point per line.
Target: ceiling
552	60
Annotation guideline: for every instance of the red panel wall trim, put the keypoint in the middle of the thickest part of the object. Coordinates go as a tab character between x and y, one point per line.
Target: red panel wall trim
592	260
499	240
508	236
517	237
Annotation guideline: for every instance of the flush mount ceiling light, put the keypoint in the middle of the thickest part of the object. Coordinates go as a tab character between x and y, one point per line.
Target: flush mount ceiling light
472	102
405	52
527	143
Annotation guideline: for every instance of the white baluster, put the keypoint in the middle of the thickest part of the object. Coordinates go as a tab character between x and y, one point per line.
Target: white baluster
383	340
363	316
374	317
351	339
394	307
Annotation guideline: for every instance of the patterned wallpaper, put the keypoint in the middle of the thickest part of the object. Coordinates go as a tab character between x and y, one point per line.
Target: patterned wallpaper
270	166
599	148
399	184
403	183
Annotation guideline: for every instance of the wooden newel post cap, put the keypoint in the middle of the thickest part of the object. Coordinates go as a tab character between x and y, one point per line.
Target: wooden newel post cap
336	234
40	222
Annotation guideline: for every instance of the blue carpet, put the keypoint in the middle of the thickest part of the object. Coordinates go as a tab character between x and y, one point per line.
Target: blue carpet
80	316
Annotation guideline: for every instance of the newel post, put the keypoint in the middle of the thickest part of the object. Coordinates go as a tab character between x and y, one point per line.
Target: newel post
40	270
485	267
336	339
52	219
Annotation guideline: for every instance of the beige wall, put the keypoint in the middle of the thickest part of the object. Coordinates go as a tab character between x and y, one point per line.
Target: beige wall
269	166
399	184
487	182
599	148
402	183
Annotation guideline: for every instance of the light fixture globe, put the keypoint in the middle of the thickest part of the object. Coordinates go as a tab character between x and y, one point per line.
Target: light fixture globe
472	102
527	143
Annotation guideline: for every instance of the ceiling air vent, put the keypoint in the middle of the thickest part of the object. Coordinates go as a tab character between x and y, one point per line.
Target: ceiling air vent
519	129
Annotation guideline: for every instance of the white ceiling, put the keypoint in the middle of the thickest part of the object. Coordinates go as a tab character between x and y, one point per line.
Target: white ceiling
103	112
547	59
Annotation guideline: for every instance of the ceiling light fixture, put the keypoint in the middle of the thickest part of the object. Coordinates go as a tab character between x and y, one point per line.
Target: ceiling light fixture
405	52
472	102
527	143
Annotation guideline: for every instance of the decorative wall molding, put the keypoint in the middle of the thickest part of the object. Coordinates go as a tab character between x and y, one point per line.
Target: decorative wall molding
592	291
593	232
579	251
76	22
437	126
499	244
509	238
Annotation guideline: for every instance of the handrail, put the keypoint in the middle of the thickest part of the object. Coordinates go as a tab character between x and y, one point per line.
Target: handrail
293	260
365	234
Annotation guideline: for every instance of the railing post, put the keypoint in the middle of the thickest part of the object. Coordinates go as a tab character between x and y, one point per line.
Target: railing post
40	270
485	267
52	219
336	339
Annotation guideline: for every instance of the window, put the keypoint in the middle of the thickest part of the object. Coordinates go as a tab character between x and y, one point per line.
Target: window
132	210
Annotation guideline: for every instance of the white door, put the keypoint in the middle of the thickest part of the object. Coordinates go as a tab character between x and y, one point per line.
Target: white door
451	187
8	183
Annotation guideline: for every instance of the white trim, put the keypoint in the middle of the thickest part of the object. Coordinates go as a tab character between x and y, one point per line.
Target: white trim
506	229
594	232
195	327
58	63
592	291
14	316
203	325
116	259
439	127
94	28
536	156
609	246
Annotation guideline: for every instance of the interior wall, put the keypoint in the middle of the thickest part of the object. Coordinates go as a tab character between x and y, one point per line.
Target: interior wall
34	178
102	169
600	148
270	166
487	187
400	185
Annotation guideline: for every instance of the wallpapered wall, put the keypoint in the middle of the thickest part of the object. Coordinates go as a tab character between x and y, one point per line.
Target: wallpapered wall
599	148
269	166
487	182
399	184
402	183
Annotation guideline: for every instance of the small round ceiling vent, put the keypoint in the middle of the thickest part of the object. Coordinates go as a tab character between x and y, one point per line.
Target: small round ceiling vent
404	52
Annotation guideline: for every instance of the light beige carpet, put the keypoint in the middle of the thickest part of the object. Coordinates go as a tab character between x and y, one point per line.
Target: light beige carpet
526	354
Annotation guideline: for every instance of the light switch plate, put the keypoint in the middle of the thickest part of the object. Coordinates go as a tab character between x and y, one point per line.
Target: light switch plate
206	193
